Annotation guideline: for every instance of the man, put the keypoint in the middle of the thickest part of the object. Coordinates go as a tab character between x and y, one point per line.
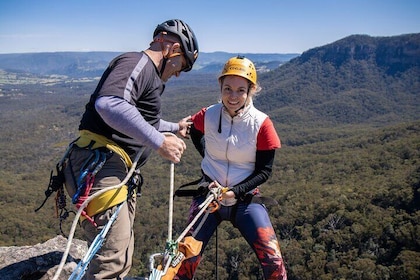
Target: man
122	119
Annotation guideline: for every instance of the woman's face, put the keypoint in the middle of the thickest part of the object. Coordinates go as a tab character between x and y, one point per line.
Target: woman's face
234	93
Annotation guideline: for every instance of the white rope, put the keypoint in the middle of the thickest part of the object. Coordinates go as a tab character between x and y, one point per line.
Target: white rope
212	196
96	194
171	193
171	201
157	274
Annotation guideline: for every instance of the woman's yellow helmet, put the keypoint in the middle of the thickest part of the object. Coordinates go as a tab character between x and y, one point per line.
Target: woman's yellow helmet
240	66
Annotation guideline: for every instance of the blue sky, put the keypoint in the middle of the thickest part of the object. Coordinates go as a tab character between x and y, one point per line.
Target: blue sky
238	26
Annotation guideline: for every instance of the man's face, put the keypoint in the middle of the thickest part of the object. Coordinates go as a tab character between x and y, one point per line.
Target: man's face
175	64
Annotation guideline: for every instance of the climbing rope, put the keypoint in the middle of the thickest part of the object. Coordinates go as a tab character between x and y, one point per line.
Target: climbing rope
171	256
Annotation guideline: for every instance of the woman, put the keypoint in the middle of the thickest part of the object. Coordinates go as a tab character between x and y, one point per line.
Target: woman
238	143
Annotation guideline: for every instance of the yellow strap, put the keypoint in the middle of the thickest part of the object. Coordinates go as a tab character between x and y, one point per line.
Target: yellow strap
87	136
106	201
112	197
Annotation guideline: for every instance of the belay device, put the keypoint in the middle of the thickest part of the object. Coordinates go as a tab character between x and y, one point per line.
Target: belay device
164	266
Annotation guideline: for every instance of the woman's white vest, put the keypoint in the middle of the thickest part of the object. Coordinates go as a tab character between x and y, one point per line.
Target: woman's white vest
231	144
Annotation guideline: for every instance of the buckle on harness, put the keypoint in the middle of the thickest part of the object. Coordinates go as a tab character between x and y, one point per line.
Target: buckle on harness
135	183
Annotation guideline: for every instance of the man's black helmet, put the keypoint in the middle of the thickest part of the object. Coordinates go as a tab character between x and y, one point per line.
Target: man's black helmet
186	36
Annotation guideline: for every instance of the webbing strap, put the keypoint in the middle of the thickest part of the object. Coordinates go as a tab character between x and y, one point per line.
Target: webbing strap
87	136
194	192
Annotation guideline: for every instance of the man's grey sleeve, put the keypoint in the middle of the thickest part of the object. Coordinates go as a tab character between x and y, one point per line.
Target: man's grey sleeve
125	118
165	126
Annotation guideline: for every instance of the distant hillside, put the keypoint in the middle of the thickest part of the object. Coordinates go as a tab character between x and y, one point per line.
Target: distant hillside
71	64
358	79
346	178
92	64
213	62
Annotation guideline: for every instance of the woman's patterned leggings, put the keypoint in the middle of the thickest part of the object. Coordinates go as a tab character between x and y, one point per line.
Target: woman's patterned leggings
252	220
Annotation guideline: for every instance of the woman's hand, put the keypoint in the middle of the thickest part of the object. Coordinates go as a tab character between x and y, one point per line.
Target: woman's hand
225	193
184	127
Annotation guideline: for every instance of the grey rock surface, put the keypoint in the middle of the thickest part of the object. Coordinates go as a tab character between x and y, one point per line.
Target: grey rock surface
41	261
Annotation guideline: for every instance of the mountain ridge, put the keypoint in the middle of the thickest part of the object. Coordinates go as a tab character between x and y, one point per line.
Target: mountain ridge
346	177
357	79
91	64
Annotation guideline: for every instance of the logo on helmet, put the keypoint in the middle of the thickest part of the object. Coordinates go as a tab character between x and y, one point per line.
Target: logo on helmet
237	68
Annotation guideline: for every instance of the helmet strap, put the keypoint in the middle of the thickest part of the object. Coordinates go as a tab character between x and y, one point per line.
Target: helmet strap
161	40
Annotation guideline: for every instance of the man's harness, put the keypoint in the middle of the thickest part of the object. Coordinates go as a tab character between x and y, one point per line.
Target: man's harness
101	150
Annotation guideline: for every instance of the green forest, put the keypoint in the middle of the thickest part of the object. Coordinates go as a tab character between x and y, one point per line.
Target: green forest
347	178
348	194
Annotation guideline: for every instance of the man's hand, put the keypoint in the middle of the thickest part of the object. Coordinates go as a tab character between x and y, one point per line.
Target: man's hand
172	148
184	127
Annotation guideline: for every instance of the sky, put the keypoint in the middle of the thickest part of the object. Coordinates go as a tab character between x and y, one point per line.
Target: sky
235	26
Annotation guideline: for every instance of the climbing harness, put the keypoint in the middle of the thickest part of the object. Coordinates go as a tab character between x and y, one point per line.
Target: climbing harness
203	190
99	239
164	266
